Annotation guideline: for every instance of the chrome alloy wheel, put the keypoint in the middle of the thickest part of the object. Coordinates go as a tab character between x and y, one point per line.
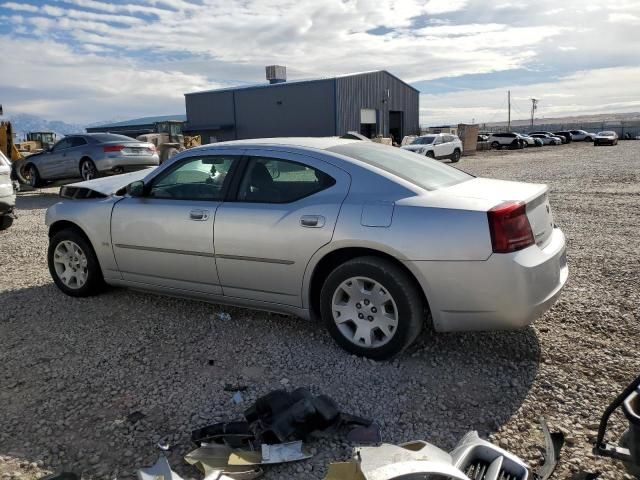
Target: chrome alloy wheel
365	312
88	171
70	263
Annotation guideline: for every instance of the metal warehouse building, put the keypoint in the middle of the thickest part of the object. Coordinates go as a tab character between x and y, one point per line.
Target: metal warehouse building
371	103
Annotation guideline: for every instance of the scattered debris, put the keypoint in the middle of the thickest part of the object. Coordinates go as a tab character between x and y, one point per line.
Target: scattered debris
270	454
365	435
62	476
163	445
161	470
224	316
237	398
471	458
214	458
554	442
228	387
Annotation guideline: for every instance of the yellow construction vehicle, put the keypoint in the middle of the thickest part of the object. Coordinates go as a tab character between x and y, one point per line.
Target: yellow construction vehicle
169	139
36	142
6	142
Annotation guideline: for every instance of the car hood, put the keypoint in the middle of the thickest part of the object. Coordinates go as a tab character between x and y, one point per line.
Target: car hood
415	148
110	185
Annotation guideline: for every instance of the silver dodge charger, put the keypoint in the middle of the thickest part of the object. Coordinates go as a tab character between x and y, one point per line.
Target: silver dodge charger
372	240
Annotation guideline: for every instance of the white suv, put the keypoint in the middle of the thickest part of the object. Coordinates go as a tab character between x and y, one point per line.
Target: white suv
437	145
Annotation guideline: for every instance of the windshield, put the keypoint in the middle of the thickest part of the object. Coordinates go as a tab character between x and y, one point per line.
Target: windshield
606	134
421	171
424	140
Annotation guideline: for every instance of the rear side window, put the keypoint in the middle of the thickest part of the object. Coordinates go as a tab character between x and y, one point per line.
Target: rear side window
270	180
78	142
417	169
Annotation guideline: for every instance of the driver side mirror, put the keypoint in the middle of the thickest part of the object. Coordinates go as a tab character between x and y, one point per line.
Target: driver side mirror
136	189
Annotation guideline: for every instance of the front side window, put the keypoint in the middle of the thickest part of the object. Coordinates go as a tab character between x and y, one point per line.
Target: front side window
62	144
270	180
196	178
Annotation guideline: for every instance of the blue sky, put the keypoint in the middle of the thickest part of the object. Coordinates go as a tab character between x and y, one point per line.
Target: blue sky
89	60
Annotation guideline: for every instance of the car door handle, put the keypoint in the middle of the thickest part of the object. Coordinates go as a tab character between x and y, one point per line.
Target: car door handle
199	215
312	221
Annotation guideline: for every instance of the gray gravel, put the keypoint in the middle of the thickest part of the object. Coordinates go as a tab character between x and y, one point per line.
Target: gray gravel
71	370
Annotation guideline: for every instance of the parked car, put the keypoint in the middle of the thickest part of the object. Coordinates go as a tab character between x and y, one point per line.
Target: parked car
606	138
547	139
527	140
581	135
369	238
565	134
483	137
506	139
88	156
437	145
7	193
562	139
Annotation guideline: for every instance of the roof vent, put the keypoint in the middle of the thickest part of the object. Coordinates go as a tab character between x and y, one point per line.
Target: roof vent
276	73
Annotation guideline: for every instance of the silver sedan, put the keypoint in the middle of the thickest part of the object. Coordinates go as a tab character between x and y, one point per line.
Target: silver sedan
372	240
88	156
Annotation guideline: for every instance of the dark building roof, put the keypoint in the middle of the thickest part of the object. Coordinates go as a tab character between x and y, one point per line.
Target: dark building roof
297	82
142	121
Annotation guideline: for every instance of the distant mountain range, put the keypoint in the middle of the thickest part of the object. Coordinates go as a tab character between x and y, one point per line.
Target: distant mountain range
598	117
23	123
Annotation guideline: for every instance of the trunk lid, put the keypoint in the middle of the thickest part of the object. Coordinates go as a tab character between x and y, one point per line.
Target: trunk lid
133	147
494	192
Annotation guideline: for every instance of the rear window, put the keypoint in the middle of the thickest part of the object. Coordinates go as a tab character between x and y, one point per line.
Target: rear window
417	169
110	137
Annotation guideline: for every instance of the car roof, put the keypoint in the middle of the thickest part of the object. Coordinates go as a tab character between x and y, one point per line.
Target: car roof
319	143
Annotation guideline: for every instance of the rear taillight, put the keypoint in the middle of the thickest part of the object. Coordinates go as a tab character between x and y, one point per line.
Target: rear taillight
509	227
152	147
113	148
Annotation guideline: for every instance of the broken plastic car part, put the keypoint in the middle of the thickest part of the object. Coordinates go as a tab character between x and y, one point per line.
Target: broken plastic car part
628	449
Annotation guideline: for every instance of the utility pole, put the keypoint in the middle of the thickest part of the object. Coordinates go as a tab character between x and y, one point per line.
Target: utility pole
509	114
534	107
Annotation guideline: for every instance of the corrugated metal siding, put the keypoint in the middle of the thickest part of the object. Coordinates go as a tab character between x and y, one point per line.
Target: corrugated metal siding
295	110
367	91
209	108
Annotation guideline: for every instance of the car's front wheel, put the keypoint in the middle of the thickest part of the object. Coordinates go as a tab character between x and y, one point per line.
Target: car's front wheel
495	145
430	154
372	307
73	264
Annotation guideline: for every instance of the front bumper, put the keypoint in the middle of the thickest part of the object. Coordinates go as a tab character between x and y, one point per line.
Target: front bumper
7	202
506	291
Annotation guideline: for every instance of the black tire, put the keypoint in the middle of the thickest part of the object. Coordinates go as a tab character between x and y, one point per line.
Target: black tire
5	221
430	154
33	176
411	312
588	139
455	158
88	170
94	282
495	145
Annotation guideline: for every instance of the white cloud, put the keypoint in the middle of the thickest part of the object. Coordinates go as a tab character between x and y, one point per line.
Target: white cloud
625	18
593	91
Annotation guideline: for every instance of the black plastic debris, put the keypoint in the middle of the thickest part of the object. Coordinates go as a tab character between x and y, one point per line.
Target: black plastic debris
362	435
279	417
62	476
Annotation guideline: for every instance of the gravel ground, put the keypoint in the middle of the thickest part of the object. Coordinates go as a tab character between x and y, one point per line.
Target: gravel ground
71	370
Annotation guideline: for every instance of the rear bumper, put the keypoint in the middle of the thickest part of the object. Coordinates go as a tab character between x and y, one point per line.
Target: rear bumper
126	163
506	291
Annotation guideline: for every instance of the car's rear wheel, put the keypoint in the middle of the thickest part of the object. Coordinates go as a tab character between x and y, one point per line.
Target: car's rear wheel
73	264
372	307
456	156
88	170
32	176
